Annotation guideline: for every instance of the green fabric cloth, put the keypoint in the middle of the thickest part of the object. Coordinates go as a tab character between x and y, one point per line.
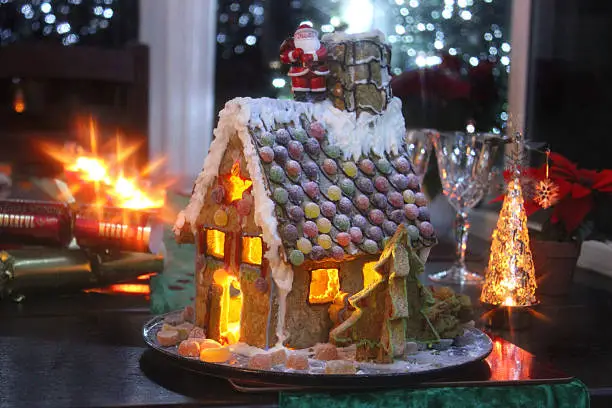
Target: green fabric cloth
174	288
569	395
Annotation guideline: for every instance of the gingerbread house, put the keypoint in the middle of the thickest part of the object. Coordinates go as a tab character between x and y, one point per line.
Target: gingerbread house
292	210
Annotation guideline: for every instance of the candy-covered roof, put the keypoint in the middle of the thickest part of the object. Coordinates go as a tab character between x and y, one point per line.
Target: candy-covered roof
329	206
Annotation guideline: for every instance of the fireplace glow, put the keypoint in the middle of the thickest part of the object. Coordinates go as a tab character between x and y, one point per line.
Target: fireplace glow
106	169
126	288
324	285
231	307
19	101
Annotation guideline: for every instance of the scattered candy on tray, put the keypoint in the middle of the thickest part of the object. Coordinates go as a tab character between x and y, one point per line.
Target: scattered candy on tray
197	333
174	319
215	355
167	326
189	348
278	357
262	361
340	367
325	351
189	314
184	329
168	337
209	343
297	361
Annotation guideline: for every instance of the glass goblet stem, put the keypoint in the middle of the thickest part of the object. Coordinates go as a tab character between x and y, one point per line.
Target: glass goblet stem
462	227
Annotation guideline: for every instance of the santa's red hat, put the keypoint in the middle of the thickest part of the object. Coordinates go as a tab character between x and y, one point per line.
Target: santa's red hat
305	31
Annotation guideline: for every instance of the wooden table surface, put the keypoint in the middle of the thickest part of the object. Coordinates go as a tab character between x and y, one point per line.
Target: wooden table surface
86	349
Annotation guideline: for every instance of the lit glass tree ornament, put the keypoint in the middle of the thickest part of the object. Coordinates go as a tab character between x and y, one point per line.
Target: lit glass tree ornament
510	277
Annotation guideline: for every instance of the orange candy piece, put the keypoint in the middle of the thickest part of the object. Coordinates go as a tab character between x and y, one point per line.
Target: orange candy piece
325	352
167	338
340	367
297	362
262	361
278	357
215	355
208	343
197	333
189	348
184	329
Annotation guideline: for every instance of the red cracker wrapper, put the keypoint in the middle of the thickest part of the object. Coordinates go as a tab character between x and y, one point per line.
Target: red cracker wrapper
115	228
34	223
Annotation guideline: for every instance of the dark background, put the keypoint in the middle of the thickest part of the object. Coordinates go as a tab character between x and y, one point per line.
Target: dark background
570	98
569	91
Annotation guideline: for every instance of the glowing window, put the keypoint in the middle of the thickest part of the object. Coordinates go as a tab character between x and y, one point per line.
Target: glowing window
251	250
215	243
370	275
324	285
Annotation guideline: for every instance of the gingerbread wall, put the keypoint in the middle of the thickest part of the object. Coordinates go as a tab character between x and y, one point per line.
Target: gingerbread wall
256	296
308	324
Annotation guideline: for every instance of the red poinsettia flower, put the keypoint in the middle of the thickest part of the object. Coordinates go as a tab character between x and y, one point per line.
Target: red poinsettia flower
576	188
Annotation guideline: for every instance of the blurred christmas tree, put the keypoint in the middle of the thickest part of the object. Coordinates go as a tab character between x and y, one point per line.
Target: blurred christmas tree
109	23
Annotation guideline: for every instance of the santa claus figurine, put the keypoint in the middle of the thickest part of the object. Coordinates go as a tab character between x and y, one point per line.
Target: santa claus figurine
308	69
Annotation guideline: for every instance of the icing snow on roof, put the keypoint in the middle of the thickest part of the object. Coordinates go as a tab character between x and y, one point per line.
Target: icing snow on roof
354	135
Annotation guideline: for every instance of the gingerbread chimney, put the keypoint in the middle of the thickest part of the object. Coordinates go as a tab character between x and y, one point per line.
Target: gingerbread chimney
359	71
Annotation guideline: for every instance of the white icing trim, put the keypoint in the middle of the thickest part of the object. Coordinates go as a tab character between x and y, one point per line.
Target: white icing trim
339	36
360	135
318	89
315	57
300	89
233	119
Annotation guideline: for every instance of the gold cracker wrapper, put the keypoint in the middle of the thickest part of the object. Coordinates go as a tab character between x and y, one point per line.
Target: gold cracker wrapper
44	269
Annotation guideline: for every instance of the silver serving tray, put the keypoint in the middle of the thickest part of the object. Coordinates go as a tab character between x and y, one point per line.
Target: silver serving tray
423	366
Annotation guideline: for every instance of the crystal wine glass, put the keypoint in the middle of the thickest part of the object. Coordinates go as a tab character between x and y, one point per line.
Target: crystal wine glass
418	145
464	164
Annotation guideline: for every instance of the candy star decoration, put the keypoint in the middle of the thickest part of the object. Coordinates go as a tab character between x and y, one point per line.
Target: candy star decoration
236	184
510	276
